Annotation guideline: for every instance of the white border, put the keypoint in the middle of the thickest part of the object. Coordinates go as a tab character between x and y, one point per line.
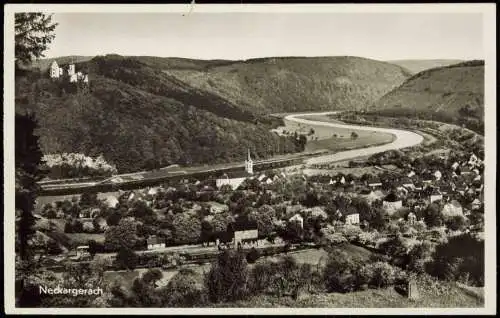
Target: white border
489	31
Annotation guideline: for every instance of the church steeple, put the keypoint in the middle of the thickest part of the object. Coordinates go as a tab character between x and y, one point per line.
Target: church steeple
249	164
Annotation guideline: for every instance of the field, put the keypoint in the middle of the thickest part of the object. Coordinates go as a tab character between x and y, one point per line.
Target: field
336	139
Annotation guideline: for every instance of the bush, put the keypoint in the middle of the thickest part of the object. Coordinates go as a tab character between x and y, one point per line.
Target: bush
253	255
383	274
340	273
183	290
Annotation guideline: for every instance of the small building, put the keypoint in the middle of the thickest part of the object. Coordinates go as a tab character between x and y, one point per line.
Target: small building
374	183
155	242
351	217
244	233
111	201
436	195
412	218
297	218
55	71
82	250
438	175
455	165
466	171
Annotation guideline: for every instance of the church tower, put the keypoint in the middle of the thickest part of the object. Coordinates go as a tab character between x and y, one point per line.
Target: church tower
249	164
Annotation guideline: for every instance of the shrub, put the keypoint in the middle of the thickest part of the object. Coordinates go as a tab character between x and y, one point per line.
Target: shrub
340	273
253	255
228	277
183	290
383	274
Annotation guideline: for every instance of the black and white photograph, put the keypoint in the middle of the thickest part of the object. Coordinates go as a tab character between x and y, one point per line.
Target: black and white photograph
204	158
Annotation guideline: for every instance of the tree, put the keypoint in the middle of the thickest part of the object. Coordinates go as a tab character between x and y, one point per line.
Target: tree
340	273
433	216
126	258
354	135
186	228
228	277
27	162
460	255
33	33
123	234
456	223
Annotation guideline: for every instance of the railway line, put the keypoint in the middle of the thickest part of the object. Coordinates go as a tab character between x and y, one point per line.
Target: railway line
132	181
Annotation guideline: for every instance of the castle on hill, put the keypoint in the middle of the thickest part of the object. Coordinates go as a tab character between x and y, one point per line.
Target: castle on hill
74	77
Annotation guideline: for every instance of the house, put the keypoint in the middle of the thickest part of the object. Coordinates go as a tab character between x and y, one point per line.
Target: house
55	70
111	201
155	242
466	171
392	202
438	175
436	195
82	250
351	216
412	218
408	183
411	174
297	218
245	233
374	182
317	212
455	165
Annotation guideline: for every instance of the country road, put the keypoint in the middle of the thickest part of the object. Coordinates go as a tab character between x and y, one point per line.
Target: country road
403	139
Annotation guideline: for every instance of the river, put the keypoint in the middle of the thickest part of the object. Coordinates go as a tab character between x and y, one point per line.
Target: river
404	138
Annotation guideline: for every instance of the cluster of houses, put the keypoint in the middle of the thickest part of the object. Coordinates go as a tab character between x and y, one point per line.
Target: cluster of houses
57	72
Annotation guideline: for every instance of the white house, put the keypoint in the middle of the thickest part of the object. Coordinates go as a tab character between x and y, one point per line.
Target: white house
245	234
55	70
412	218
352	218
111	201
155	242
455	165
297	218
437	175
436	195
71	69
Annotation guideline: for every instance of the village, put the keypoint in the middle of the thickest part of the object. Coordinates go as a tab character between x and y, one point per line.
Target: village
431	199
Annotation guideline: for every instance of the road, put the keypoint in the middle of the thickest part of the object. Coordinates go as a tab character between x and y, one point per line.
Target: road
403	139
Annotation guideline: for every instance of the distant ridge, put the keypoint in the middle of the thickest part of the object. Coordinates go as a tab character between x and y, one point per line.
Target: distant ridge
416	66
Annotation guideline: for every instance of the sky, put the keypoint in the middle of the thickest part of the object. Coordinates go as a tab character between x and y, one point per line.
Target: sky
240	35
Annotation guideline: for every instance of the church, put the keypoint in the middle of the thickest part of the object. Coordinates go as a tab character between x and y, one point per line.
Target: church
235	179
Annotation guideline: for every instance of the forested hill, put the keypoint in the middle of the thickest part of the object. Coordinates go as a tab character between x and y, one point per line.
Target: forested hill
191	111
453	94
290	84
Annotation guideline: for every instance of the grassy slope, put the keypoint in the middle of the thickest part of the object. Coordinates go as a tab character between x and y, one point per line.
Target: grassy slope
440	91
372	298
417	66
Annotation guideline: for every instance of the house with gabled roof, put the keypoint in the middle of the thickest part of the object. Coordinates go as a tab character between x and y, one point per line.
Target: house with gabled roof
436	195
